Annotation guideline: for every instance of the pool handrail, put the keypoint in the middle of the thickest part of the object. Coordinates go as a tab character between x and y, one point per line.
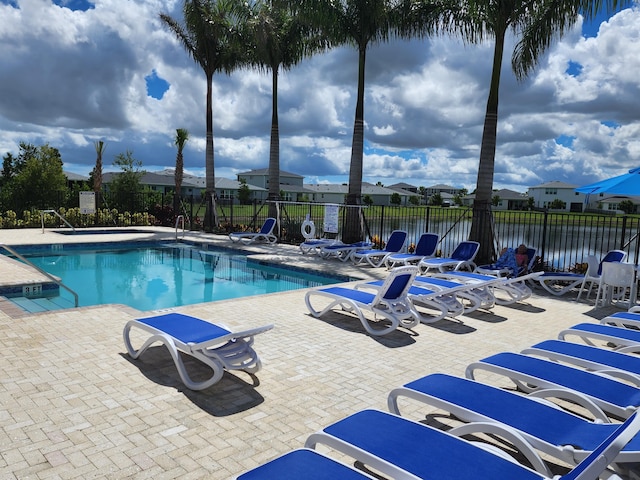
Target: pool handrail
178	219
43	272
42	212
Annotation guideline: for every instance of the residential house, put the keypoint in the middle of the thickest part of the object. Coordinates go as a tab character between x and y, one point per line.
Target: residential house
546	193
291	184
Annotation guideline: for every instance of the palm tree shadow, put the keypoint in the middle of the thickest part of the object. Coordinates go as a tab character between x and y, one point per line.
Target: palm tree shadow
230	395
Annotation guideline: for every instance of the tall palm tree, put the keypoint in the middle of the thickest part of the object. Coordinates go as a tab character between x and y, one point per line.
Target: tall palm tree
182	135
280	41
360	23
536	24
210	35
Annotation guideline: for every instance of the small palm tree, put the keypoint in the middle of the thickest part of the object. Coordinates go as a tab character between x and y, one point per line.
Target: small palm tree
97	175
210	35
182	135
97	172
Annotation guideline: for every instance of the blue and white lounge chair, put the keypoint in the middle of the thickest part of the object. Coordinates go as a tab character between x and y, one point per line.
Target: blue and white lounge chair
375	257
533	374
264	235
560	283
622	339
461	258
425	248
314	245
390	302
506	291
510	415
472	295
615	364
499	270
306	464
402	449
343	251
443	301
214	345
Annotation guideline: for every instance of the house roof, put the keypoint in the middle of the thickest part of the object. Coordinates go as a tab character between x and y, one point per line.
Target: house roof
555	184
74	177
341	188
265	171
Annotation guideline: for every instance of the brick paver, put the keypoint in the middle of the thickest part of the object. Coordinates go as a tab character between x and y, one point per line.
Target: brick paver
74	405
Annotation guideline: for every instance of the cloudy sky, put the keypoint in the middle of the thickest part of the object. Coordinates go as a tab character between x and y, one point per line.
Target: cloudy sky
74	72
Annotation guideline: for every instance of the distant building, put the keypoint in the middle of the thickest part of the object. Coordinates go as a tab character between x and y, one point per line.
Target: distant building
337	193
291	184
546	193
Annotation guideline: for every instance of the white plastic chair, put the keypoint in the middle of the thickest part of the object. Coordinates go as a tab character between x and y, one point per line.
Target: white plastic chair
616	279
591	276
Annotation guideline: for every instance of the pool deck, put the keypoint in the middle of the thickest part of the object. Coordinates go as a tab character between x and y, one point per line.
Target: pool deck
74	405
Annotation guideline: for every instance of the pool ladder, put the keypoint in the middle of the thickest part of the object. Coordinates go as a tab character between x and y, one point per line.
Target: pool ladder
43	272
42	212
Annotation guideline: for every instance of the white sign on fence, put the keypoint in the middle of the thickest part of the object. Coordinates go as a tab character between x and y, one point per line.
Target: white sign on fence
87	203
331	218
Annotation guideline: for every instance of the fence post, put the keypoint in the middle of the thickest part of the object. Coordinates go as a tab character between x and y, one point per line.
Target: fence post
624	231
544	234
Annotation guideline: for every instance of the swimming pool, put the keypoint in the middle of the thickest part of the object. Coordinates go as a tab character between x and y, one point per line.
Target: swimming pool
155	276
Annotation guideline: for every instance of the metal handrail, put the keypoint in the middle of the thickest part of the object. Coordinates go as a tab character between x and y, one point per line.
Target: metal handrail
43	272
178	219
42	212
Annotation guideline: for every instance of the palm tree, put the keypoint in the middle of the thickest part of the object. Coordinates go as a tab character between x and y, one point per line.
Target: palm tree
182	135
211	37
360	23
538	24
97	175
280	41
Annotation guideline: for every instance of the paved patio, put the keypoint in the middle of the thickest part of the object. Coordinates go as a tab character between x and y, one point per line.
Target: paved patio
74	405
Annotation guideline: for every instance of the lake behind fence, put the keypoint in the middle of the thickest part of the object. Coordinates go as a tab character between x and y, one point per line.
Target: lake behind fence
561	239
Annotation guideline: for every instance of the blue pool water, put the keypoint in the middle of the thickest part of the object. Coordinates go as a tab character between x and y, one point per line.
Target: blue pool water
164	276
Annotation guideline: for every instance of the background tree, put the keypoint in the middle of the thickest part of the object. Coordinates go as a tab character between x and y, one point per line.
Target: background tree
280	39
367	200
495	200
414	200
211	36
182	135
436	200
244	193
557	204
395	199
627	206
38	180
125	185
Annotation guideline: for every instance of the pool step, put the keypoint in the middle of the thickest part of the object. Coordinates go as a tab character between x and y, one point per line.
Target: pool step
45	304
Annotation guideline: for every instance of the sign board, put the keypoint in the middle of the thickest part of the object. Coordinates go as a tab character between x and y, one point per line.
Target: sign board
331	218
87	202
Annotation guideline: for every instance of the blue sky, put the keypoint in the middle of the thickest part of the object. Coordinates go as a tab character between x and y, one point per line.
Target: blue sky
74	72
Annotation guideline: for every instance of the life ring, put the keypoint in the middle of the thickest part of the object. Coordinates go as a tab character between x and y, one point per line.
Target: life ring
308	229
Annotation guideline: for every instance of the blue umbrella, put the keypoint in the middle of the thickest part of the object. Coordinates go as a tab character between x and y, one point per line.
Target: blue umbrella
627	184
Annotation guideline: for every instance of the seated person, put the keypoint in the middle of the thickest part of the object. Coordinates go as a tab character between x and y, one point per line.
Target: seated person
522	259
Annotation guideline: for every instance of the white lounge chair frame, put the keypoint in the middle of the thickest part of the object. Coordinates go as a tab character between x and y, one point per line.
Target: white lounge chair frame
231	351
399	310
264	235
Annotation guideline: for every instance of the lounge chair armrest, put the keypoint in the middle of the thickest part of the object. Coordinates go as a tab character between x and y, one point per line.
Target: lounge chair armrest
573	397
511	436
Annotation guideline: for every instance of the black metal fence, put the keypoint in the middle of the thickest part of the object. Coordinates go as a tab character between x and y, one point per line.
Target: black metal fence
563	240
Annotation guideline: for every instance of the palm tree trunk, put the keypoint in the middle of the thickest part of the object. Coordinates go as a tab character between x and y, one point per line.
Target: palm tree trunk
482	221
210	217
352	231
274	152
